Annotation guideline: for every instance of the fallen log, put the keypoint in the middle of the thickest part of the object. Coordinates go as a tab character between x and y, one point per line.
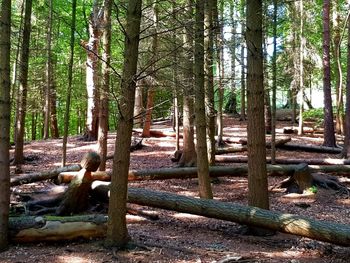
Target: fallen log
331	232
310	148
278	142
231	149
27	229
291	130
214	171
35	177
244	159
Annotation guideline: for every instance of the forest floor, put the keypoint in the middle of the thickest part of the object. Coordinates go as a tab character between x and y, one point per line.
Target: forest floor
179	237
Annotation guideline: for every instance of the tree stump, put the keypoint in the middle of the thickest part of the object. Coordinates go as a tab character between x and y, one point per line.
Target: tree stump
300	181
76	198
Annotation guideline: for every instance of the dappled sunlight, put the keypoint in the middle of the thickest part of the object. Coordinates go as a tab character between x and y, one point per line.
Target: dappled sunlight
72	259
187	216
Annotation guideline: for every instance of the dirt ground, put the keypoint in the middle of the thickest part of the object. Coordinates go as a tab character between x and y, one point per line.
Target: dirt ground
179	237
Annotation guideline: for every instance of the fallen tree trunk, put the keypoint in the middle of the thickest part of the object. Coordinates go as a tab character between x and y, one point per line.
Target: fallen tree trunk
290	130
278	142
55	228
310	148
214	171
231	149
244	159
35	177
288	223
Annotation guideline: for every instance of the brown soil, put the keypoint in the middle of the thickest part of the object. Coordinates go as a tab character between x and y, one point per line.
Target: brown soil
178	237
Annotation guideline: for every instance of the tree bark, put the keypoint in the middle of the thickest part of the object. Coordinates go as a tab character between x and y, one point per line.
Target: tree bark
331	232
117	233
70	80
201	147
23	84
346	149
329	137
104	94
310	148
257	179
5	110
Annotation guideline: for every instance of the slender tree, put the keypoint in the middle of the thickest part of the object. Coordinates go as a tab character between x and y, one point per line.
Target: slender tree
23	84
202	157
117	233
243	66
70	80
103	114
188	157
257	174
5	113
274	85
301	68
209	79
329	137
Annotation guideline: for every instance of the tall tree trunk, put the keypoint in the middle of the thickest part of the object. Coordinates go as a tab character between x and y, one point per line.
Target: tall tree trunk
48	86
219	47
339	121
243	75
5	113
188	157
329	137
301	69
23	84
117	233
346	148
138	110
53	112
274	85
69	87
202	157
257	174
209	79
92	78
106	57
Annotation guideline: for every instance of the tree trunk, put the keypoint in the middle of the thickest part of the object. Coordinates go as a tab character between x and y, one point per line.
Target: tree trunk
346	149
104	94
69	87
274	84
188	157
49	75
257	178
331	232
5	87
117	233
209	79
23	84
329	137
92	75
301	69
138	110
202	151
243	70
310	148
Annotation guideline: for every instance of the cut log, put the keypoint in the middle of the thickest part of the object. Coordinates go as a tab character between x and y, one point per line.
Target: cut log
332	232
91	161
244	159
300	181
66	177
54	228
232	149
35	177
291	130
310	148
278	142
214	171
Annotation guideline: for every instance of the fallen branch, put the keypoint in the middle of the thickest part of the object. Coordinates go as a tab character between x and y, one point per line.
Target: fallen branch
288	223
310	148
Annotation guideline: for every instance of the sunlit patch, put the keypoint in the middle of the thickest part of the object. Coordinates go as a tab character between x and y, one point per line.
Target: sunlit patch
343	201
92	147
187	193
186	216
71	259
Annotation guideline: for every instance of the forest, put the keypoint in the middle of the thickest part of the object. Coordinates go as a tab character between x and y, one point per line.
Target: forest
174	131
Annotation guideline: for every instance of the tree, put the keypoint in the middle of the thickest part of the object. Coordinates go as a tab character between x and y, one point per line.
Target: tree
23	84
209	79
243	67
301	69
188	157
106	57
257	175
274	85
202	157
117	233
92	77
329	137
69	87
5	86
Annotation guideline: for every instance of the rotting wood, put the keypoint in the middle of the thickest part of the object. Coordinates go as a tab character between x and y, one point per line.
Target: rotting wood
332	232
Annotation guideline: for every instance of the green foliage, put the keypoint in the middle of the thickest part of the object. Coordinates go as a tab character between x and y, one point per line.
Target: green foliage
313	189
313	114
